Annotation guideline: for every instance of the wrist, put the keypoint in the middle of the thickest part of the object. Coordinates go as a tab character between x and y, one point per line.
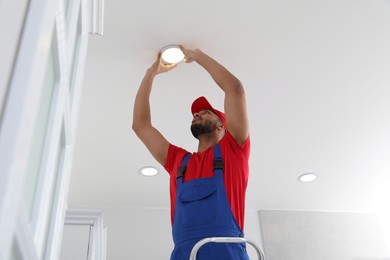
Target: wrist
151	72
195	54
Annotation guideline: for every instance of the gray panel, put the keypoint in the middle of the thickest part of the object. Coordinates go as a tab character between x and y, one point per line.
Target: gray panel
294	235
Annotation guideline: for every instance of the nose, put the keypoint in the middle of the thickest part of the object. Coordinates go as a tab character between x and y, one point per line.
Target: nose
195	117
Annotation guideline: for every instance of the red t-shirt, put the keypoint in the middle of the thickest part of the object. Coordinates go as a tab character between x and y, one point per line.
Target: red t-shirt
236	171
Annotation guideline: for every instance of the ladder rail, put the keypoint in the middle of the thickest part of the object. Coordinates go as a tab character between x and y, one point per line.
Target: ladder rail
200	243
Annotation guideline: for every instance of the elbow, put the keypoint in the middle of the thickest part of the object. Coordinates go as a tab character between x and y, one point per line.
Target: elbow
235	90
238	88
136	127
234	83
232	86
239	85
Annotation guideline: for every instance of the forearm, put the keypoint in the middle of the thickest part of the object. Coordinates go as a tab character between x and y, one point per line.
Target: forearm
224	78
154	141
234	101
141	112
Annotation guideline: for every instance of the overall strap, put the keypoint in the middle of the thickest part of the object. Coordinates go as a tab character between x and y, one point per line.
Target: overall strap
183	167
218	161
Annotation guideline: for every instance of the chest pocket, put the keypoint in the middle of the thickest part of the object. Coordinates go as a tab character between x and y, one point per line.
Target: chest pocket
197	192
198	202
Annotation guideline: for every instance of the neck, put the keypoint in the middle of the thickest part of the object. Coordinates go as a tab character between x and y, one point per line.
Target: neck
207	141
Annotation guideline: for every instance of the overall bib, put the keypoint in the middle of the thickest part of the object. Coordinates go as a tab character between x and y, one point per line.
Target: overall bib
203	210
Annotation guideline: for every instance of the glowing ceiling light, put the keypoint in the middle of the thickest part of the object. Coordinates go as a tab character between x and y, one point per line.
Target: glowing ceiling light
172	54
149	171
307	177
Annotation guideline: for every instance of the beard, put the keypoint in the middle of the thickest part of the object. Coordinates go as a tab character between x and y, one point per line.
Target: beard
206	128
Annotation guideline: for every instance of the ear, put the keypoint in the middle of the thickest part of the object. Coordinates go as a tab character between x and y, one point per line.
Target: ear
220	126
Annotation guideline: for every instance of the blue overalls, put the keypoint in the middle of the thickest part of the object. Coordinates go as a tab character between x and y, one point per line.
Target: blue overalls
203	210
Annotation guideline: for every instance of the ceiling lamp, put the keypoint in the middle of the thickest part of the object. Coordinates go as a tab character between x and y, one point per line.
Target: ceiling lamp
172	54
149	171
307	177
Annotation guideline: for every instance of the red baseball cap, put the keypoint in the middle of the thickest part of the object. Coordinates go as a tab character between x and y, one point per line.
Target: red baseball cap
201	103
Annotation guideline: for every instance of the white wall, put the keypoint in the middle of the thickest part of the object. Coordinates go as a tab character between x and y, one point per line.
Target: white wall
145	233
136	233
381	207
75	242
293	235
253	231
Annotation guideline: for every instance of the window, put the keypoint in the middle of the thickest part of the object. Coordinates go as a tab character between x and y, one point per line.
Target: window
36	139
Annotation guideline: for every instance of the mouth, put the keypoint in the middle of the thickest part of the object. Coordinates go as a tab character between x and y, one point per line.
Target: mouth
195	120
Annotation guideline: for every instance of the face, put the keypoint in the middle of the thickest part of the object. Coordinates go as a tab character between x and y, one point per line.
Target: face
204	122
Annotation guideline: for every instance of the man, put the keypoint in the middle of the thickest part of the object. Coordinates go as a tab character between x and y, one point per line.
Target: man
207	188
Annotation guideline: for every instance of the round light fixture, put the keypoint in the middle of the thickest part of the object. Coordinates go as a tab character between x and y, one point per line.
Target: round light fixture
172	54
307	177
149	171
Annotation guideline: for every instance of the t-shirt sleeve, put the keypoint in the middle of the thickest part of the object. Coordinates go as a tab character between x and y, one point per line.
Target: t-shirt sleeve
244	148
174	158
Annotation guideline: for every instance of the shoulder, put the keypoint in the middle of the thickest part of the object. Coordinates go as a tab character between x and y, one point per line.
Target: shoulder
174	158
228	142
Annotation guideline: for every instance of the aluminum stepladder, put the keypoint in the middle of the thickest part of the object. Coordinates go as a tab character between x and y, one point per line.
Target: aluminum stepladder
198	245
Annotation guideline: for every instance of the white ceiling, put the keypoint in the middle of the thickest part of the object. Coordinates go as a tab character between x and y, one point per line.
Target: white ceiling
317	79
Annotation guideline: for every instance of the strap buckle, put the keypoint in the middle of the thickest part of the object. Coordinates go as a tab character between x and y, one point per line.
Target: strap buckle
181	172
218	164
183	166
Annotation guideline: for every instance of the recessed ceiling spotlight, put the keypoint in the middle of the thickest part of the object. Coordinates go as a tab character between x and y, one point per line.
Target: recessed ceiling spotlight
307	177
172	54
149	171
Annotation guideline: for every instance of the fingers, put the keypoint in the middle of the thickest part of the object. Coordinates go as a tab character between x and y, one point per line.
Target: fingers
159	56
167	67
164	67
159	66
187	60
185	51
187	54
